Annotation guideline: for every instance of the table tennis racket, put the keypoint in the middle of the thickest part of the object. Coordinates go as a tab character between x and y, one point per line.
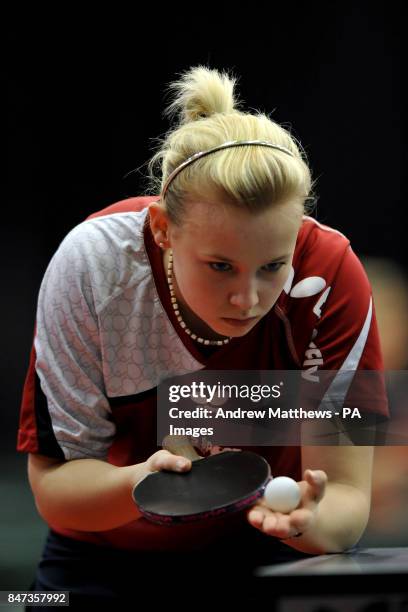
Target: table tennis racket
216	485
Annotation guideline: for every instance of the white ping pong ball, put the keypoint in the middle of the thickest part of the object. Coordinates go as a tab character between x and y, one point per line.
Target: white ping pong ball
282	494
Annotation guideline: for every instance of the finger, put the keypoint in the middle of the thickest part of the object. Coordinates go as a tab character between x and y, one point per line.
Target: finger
302	519
180	445
164	460
287	526
277	524
317	479
270	524
255	517
280	526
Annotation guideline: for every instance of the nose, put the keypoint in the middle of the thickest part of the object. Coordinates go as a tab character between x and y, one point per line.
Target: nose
246	297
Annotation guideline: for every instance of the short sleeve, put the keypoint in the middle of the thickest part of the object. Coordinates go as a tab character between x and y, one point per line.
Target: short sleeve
65	408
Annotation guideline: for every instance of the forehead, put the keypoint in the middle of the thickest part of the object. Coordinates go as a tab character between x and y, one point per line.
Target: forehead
211	225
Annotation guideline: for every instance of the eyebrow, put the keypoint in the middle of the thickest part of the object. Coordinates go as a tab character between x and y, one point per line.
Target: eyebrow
223	258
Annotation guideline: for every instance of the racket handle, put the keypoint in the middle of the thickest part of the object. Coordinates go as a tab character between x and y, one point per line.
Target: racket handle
180	445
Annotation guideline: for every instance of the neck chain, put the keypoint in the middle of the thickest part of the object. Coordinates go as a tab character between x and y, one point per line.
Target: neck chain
177	310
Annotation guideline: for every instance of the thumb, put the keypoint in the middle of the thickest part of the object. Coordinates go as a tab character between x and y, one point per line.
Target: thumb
164	460
317	479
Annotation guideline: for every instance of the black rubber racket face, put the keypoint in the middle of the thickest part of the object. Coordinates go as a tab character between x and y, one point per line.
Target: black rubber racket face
226	482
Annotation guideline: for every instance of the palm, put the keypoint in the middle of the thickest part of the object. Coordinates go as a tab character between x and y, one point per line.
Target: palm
284	526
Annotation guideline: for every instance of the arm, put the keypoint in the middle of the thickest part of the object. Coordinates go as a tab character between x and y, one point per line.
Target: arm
343	512
336	491
335	503
90	494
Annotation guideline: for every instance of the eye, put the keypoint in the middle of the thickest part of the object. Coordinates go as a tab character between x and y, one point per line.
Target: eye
219	266
273	267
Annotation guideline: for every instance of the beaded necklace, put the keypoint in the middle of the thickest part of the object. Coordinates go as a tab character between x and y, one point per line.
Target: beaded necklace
178	313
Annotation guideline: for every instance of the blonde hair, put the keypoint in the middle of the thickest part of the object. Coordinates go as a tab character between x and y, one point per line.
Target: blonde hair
207	114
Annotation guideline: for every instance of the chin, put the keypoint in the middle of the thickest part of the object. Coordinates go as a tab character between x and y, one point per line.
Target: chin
236	333
233	332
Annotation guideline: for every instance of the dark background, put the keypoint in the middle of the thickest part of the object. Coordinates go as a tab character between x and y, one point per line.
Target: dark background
86	96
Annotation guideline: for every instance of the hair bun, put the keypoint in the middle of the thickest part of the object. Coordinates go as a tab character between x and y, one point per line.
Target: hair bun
199	93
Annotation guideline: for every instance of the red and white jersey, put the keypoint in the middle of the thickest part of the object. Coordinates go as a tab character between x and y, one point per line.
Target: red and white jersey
106	336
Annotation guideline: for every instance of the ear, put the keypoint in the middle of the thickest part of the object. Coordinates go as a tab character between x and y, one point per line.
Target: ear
159	222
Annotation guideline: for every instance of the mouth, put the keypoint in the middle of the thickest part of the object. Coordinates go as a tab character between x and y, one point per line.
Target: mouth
239	322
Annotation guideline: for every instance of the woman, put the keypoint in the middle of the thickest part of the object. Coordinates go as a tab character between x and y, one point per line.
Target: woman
224	270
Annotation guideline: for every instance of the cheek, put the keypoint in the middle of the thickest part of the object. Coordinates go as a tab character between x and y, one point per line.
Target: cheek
270	293
195	287
206	296
269	296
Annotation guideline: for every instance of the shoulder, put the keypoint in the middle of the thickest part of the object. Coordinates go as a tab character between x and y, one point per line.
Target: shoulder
96	242
326	277
113	223
136	204
317	240
105	253
327	302
319	254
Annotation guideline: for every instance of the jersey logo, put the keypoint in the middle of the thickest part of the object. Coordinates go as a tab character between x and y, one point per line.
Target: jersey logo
314	357
308	286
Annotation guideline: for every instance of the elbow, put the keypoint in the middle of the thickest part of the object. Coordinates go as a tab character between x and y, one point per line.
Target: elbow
51	515
39	468
43	511
343	518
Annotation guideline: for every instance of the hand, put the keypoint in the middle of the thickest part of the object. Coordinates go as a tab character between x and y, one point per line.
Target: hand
181	446
298	521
